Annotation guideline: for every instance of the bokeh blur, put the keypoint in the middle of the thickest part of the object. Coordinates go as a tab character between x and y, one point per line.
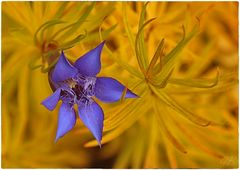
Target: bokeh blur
181	58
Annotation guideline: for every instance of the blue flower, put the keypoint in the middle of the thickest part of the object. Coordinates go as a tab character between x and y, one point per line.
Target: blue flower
78	84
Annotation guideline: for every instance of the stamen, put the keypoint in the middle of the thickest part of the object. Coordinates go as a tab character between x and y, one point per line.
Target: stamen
89	85
79	89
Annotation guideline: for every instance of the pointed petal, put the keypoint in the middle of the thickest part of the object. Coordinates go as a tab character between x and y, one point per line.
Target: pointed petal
92	116
66	120
51	102
89	64
63	70
110	90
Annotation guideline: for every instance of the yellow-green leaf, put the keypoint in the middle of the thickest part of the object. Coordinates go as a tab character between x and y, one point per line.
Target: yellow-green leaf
179	109
123	64
104	34
166	131
142	46
73	27
199	83
170	59
127	27
139	47
73	42
157	55
46	24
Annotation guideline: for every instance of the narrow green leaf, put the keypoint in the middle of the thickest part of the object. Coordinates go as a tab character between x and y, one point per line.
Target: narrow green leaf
73	42
124	157
156	70
123	64
163	82
225	83
72	27
140	40
81	20
127	27
18	34
58	15
124	124
104	34
142	15
42	26
166	131
174	53
118	116
199	83
195	141
179	109
170	59
140	147
46	56
32	63
60	9
203	59
139	47
157	55
47	28
98	18
45	70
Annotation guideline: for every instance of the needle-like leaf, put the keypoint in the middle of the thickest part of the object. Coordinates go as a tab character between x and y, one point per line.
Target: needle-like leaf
140	53
72	27
73	42
141	44
199	83
170	59
127	27
175	106
123	64
45	25
156	56
166	131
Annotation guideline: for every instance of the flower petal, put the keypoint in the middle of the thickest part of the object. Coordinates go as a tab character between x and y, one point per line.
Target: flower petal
63	70
66	120
89	64
51	102
110	90
92	116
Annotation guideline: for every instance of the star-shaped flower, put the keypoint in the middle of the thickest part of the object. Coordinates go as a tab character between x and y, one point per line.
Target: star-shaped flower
78	84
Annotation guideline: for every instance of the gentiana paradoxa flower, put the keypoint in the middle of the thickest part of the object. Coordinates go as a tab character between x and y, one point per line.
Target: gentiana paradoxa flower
78	84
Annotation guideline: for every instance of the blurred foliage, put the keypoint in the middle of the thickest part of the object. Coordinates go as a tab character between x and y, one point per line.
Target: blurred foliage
181	58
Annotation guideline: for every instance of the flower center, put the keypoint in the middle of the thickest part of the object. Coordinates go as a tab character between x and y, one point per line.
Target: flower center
79	89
